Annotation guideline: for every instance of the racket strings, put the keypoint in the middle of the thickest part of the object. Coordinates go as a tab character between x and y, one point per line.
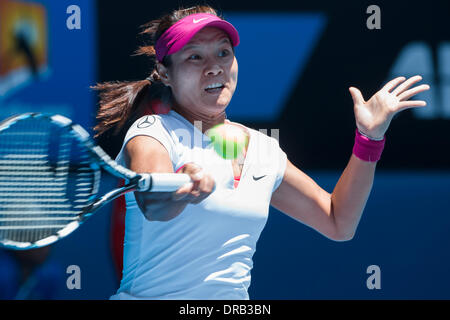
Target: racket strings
45	180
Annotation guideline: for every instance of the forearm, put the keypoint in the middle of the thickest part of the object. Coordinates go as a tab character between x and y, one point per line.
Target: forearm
165	212
162	208
350	195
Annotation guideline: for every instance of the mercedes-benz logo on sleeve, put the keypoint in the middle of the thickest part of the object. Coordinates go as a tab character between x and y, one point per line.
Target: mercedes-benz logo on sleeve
146	122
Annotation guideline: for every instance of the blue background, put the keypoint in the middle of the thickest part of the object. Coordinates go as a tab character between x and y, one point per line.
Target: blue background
404	228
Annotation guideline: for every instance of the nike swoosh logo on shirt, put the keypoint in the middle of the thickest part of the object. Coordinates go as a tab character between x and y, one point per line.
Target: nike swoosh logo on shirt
260	177
197	21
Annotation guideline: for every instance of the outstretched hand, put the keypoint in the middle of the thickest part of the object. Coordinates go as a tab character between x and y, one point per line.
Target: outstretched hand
374	116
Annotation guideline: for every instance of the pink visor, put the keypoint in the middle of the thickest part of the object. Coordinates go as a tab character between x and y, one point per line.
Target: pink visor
178	35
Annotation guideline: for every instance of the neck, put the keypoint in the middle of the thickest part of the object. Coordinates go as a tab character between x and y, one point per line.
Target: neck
207	121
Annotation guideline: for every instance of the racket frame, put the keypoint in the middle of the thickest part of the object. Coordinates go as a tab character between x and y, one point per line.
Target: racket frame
98	160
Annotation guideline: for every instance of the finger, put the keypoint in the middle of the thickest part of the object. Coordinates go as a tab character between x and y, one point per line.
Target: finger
206	187
190	167
410	104
356	96
197	176
197	179
393	83
183	191
202	185
194	171
195	193
405	85
412	92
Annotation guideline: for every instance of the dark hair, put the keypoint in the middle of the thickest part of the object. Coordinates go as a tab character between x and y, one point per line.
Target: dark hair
122	102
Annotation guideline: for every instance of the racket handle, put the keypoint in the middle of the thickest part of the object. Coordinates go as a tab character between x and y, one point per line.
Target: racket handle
163	182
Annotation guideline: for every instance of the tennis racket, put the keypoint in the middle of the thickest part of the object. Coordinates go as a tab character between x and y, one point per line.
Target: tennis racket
50	173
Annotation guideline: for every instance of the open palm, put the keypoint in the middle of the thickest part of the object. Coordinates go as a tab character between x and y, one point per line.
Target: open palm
374	116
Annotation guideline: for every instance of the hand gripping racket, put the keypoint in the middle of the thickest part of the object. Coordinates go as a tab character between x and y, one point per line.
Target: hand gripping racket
50	173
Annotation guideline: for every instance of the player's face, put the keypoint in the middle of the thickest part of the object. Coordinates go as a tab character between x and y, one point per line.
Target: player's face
206	60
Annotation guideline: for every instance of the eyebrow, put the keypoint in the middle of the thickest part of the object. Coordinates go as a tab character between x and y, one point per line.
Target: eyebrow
194	44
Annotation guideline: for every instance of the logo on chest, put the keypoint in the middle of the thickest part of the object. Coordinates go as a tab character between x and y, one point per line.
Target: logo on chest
258	177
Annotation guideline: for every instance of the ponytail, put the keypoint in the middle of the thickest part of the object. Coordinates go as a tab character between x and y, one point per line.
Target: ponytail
121	103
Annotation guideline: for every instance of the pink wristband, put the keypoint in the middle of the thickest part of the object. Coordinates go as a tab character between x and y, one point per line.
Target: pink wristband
367	149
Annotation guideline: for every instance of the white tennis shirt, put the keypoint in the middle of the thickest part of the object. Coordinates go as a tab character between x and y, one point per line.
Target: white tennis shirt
206	251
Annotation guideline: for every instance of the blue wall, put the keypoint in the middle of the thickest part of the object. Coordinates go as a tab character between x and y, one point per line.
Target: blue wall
404	230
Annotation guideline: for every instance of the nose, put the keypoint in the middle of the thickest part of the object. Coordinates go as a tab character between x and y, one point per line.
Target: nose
213	70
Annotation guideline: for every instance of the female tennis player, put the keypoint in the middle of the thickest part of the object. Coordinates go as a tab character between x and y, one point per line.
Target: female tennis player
198	242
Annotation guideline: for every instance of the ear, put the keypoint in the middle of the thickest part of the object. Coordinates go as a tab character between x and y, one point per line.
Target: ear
163	73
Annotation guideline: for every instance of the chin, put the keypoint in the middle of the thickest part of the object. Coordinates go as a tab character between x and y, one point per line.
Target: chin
216	109
222	106
223	101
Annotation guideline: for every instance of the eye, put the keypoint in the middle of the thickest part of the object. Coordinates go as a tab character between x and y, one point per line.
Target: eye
224	53
194	57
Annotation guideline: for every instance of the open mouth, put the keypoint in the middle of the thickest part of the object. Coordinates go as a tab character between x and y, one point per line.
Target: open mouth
214	88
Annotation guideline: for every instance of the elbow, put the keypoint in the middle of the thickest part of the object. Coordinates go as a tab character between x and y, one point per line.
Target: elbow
342	231
149	217
341	236
146	212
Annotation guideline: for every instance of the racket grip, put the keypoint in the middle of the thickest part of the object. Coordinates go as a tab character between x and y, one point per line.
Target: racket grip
166	182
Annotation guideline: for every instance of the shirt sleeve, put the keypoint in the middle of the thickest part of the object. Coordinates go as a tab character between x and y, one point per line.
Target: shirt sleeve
280	165
152	126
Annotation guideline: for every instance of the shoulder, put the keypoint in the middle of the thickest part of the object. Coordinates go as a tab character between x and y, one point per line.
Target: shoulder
150	121
159	127
153	123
